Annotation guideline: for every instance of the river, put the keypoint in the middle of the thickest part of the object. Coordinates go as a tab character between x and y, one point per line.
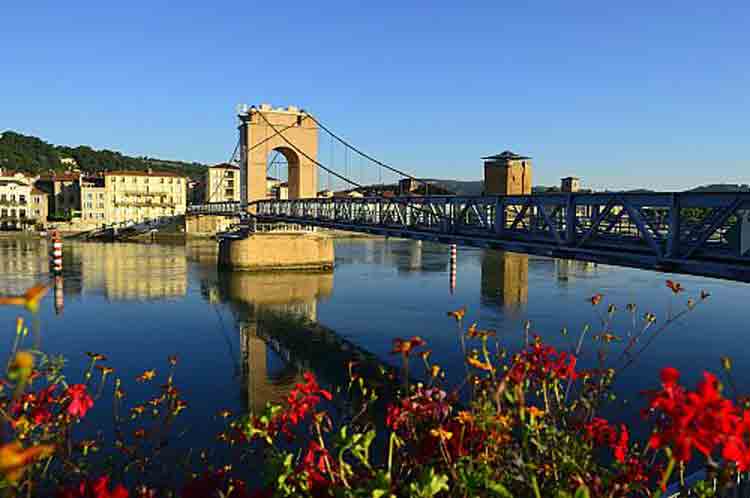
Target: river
140	303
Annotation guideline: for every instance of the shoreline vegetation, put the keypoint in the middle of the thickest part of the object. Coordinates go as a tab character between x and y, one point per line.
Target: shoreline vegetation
525	421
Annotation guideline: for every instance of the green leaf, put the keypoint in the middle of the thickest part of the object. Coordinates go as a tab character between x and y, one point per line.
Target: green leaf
582	492
499	490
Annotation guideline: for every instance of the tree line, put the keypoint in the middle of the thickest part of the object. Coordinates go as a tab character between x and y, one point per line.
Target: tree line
29	154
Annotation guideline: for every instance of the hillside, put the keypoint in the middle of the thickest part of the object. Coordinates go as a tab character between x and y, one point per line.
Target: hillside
35	156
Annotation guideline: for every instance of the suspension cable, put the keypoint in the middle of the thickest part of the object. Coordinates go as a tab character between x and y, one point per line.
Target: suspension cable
352	182
237	146
303	153
363	154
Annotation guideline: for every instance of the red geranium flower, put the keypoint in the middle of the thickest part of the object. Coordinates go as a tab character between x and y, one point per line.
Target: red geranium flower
94	488
80	401
699	419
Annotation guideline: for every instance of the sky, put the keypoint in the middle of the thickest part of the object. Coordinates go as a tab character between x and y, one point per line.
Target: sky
621	94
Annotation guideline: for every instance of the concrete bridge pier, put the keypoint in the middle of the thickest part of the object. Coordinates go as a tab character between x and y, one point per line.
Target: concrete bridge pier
277	251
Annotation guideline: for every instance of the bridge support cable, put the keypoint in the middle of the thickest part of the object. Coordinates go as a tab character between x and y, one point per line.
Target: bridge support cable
303	153
365	155
250	149
341	177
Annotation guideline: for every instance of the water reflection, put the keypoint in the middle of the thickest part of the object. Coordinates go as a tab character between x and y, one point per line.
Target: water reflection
267	306
130	272
505	280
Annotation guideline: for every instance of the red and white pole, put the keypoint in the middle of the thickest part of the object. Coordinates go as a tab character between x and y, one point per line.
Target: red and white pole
453	268
56	253
59	294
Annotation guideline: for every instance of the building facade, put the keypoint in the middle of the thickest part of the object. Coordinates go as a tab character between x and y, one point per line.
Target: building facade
39	205
64	193
94	202
570	184
222	183
507	173
142	195
15	204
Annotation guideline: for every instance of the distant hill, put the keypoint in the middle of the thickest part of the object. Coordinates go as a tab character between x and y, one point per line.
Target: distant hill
459	187
33	155
722	187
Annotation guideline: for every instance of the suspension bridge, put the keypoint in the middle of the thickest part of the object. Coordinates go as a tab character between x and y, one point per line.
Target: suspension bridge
704	234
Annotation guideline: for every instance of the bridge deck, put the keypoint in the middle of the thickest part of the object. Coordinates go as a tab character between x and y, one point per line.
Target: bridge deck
697	233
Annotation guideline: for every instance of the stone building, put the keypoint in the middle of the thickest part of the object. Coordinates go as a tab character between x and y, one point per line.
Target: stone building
65	192
140	195
94	202
507	173
222	183
39	205
570	184
15	204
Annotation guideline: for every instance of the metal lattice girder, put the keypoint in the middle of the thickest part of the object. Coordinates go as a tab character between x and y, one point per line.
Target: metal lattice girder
642	230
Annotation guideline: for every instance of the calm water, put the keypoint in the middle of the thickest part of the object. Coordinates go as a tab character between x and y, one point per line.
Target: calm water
140	303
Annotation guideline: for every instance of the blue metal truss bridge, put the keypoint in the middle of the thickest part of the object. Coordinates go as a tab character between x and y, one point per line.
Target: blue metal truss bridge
694	233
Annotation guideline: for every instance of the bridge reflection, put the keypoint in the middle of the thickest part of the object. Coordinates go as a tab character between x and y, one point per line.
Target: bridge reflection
270	310
505	280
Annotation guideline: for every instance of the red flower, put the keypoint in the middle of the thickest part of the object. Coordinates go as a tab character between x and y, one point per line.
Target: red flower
700	419
80	401
621	445
737	448
94	488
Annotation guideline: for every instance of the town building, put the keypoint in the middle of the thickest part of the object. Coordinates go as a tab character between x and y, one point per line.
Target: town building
142	195
222	183
570	184
39	205
94	205
65	193
196	191
15	203
507	173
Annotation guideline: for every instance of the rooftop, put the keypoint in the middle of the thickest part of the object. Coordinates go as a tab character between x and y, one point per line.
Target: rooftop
68	176
506	155
570	178
224	166
144	173
7	181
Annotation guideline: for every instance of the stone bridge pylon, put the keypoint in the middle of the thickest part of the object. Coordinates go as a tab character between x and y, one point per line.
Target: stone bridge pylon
264	130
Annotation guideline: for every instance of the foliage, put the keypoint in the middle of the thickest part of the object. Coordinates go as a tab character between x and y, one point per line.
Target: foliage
32	155
523	423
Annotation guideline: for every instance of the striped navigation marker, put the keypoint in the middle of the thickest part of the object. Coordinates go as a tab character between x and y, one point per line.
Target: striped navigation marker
56	253
453	268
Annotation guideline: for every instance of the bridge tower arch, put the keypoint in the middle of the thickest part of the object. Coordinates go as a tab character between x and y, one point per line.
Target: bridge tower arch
261	131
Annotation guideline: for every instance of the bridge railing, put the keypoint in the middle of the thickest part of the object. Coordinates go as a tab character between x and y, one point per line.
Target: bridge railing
657	228
227	208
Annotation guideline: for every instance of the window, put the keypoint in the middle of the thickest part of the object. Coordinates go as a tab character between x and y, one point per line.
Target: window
162	180
122	179
89	196
145	180
22	199
22	213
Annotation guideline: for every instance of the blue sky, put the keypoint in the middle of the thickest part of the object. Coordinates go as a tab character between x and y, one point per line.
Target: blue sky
622	94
